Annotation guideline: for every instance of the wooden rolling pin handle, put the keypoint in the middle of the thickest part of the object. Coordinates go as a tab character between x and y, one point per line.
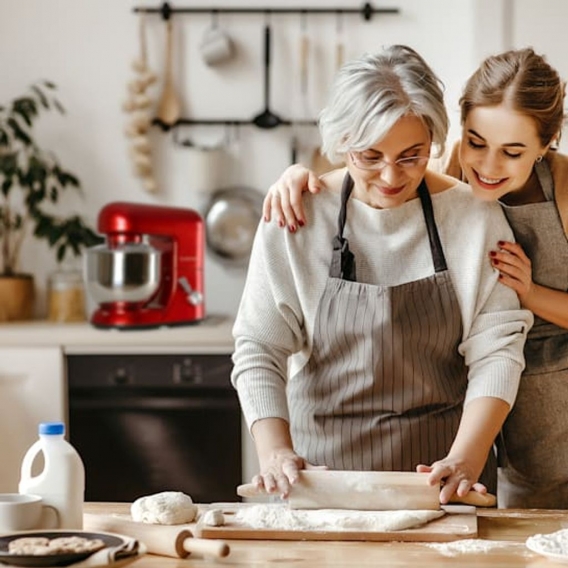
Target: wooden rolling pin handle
190	545
165	540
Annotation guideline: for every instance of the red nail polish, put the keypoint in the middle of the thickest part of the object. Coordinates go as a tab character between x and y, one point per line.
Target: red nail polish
501	243
292	228
281	224
301	223
492	253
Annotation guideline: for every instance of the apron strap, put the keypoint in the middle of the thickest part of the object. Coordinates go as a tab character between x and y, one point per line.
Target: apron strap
544	176
436	249
342	259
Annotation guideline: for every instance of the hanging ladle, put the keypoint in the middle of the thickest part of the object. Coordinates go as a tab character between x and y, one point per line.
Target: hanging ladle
267	119
169	109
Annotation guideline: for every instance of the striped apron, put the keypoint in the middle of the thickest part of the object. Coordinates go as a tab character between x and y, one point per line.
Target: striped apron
385	384
534	470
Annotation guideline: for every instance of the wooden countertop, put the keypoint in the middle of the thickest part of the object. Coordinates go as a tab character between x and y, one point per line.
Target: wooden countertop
506	529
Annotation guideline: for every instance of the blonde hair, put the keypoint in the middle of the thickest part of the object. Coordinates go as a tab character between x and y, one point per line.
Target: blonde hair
370	94
524	81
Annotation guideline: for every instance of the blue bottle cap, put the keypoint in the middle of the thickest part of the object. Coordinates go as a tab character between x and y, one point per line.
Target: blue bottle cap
52	428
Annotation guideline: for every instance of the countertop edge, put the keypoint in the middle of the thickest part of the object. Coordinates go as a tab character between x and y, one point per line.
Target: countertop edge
212	335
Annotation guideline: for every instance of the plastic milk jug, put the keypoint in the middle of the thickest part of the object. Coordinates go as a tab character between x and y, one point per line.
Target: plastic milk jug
61	484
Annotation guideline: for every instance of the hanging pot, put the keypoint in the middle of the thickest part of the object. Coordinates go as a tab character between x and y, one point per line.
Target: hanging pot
231	220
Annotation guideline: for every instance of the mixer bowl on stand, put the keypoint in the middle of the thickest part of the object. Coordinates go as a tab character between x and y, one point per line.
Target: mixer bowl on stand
128	273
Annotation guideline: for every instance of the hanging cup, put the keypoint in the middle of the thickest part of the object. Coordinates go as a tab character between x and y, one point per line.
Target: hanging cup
216	46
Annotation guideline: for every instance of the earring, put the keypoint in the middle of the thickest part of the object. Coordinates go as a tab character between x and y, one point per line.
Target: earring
538	159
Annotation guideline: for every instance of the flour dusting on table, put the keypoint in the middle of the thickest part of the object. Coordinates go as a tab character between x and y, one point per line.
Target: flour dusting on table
552	543
276	516
470	546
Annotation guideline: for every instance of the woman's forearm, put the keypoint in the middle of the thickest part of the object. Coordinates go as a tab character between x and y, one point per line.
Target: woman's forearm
549	304
481	421
271	435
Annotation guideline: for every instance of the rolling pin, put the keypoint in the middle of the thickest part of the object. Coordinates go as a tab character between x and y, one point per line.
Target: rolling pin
367	491
165	540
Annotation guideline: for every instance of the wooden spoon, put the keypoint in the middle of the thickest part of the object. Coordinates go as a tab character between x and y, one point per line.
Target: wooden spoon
169	105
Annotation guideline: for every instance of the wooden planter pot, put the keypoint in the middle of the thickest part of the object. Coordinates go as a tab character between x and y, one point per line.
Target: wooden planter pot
17	296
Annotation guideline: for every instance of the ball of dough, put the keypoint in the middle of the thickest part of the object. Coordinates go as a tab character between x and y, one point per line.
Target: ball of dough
166	508
213	518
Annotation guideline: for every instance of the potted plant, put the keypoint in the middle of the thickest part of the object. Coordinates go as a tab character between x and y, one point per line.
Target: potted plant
31	183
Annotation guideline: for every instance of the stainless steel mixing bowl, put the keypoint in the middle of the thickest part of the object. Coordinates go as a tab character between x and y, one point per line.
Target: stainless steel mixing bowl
128	273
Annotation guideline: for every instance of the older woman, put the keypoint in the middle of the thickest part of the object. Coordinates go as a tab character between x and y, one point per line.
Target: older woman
378	337
512	112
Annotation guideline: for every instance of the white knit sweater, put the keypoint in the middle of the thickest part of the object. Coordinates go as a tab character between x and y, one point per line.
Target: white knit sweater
287	275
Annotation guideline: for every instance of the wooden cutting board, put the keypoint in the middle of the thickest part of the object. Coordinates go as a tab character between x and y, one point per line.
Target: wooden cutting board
459	523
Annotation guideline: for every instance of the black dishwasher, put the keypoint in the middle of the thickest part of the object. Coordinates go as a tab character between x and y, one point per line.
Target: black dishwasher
146	423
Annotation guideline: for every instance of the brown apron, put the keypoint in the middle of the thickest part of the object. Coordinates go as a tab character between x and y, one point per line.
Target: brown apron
385	384
534	455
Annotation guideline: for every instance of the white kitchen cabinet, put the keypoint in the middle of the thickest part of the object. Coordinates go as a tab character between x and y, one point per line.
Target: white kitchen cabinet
32	390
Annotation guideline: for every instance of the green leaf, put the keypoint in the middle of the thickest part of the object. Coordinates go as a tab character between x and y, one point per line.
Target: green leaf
6	186
26	107
8	163
18	132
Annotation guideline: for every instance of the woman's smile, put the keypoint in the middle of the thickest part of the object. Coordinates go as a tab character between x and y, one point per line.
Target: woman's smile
402	158
489	183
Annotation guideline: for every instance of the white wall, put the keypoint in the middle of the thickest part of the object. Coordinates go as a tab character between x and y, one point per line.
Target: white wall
86	48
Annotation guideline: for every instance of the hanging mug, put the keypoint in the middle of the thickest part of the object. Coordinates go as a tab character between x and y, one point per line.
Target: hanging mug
216	46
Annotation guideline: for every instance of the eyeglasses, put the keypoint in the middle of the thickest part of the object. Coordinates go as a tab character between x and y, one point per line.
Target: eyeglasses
378	164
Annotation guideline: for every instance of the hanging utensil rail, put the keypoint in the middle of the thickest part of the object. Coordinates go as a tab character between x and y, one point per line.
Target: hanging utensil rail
367	11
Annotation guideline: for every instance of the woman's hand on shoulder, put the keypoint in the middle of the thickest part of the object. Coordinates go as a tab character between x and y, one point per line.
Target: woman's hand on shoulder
283	202
515	268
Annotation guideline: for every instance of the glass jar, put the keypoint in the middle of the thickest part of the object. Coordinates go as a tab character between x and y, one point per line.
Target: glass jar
66	296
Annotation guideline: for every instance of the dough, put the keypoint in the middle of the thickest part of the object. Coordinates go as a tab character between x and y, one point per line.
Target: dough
166	508
276	516
213	518
29	545
41	546
75	544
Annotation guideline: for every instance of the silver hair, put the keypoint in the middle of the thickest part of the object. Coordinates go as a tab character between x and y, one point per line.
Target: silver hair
369	95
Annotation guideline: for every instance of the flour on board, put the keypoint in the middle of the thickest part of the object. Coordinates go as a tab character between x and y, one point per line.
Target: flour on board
276	516
470	546
552	543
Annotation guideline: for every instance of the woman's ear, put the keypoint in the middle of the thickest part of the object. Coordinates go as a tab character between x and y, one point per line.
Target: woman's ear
553	144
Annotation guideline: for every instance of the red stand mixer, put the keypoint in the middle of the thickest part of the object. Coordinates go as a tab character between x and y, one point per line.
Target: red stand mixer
149	273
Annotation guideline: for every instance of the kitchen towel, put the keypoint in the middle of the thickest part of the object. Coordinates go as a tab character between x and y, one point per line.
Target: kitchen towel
120	555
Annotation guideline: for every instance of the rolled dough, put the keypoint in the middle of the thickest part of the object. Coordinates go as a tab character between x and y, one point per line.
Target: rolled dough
280	517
